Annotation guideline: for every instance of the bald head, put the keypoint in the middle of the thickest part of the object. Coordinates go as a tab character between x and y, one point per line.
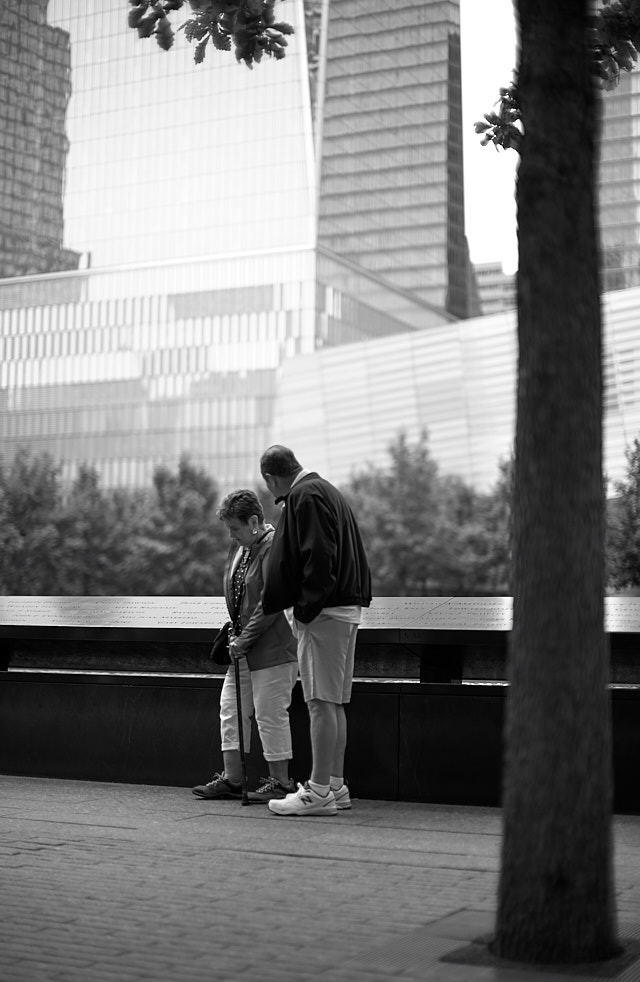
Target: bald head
280	462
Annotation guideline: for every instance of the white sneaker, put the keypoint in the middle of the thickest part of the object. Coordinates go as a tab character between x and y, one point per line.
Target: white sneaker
304	801
343	798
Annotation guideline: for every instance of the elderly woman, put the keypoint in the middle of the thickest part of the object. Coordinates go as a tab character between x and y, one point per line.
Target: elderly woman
267	657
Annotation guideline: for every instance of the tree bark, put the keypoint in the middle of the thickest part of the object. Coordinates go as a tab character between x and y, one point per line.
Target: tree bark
556	885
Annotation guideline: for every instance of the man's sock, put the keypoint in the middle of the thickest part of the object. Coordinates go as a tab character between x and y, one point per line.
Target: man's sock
321	789
336	783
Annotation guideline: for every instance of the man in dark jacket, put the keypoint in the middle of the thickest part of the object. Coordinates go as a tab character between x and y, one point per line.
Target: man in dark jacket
319	575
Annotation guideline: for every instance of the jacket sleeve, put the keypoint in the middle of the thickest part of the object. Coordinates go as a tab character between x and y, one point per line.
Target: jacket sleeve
316	530
258	622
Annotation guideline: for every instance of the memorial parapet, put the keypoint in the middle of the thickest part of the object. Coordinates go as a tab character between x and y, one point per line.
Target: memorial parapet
389	619
433	638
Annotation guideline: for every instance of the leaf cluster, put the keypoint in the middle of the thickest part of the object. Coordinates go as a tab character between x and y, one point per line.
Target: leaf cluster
614	37
150	17
249	26
503	127
614	41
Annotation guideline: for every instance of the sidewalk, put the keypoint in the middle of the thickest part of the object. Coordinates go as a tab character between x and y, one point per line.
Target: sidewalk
127	882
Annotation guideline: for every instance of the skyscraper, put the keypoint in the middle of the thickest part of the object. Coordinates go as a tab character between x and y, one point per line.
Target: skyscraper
35	83
391	193
229	220
169	159
619	184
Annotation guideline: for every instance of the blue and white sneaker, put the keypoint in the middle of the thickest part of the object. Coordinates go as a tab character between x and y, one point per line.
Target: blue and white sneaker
305	801
343	798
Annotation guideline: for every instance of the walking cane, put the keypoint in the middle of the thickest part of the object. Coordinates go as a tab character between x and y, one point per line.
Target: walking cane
243	762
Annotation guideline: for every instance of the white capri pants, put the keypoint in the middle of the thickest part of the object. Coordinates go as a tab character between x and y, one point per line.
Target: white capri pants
267	693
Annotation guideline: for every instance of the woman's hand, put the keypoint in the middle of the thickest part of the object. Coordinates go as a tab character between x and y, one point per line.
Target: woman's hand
233	649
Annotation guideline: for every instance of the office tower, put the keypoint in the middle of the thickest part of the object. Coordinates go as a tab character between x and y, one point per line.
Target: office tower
392	194
619	184
184	160
170	160
34	78
199	198
461	378
496	289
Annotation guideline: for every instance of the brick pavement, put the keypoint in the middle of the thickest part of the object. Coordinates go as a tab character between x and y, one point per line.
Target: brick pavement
105	882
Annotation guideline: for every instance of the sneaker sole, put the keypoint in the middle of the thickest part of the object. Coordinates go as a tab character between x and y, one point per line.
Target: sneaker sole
217	797
307	811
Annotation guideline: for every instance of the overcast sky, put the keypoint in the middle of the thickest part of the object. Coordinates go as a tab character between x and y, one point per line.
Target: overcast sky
488	38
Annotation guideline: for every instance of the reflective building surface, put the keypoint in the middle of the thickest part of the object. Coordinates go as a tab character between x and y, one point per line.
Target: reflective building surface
392	194
169	160
458	382
226	222
619	184
128	368
35	77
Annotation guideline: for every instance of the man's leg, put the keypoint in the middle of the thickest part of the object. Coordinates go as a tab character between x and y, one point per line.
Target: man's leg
315	796
337	766
325	731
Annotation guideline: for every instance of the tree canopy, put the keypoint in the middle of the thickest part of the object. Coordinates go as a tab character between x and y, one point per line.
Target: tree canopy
88	541
623	527
429	534
250	26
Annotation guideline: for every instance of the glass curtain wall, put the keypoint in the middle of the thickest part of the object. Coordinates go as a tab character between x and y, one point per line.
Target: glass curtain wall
168	159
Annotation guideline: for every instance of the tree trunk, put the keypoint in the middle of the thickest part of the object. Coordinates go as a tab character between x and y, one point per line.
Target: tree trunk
556	885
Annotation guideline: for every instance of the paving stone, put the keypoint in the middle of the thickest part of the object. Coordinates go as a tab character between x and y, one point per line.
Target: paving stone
126	883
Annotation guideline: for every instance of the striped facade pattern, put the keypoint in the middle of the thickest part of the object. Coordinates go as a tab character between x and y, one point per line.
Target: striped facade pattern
342	408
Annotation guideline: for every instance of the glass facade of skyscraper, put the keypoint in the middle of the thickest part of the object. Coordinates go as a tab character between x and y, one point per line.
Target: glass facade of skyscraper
192	195
458	382
168	159
128	368
34	80
392	195
619	184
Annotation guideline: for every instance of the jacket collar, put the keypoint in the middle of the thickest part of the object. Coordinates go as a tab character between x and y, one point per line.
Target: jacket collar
301	476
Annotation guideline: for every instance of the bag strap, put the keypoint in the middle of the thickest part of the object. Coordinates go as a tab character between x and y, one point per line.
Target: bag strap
235	618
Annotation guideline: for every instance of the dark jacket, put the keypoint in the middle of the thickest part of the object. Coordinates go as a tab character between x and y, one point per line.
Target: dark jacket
317	557
266	640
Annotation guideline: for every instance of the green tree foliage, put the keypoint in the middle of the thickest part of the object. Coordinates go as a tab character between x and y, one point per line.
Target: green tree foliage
623	527
428	534
249	25
614	37
30	503
165	540
502	126
98	533
181	545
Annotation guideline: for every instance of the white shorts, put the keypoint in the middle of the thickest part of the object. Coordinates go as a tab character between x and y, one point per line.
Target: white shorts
326	654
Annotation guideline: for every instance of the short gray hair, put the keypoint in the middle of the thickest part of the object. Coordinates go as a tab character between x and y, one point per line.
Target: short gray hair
241	504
